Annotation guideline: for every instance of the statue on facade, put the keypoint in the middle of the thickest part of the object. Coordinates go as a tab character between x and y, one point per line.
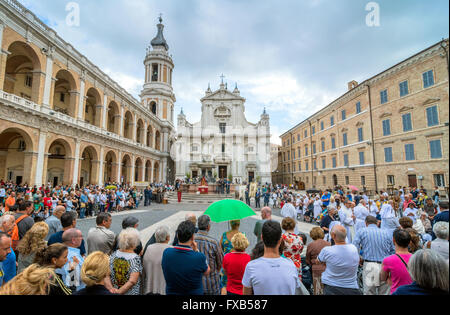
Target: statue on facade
253	189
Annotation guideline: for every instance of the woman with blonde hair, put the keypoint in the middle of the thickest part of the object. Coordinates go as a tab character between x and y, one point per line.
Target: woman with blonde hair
234	264
34	280
94	271
33	242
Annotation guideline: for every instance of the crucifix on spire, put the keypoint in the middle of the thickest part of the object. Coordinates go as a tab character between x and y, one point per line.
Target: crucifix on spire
222	76
160	18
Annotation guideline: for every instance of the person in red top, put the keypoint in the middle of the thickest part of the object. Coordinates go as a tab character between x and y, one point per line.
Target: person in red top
48	201
408	200
234	264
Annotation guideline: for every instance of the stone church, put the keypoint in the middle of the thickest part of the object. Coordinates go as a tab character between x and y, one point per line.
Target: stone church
223	144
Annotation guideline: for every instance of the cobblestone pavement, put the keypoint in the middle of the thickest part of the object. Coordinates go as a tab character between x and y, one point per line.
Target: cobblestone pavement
172	214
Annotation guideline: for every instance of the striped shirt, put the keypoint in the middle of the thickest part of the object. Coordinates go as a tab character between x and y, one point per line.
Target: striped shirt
210	247
375	244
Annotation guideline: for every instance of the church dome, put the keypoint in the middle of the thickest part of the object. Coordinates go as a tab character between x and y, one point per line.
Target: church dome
159	40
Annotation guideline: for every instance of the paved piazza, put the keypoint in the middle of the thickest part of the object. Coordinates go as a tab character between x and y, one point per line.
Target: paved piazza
173	214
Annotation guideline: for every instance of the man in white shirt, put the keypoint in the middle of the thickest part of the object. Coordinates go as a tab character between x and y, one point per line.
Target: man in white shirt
361	212
342	261
288	211
271	274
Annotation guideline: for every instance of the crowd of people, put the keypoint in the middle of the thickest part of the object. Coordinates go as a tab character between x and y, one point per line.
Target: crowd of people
87	201
357	247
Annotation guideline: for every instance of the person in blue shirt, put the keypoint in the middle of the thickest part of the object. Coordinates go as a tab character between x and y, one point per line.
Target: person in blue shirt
7	223
84	200
5	249
184	278
326	198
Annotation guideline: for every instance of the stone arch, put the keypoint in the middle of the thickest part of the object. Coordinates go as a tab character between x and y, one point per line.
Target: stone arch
17	160
153	106
140	131
128	125
58	164
23	72
64	93
138	165
89	165
148	171
125	169
113	118
93	107
110	167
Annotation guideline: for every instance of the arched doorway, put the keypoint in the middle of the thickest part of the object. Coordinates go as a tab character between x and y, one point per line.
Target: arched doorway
64	99
14	147
138	170
110	168
148	171
59	163
125	168
113	123
23	72
93	106
140	132
89	167
128	126
335	180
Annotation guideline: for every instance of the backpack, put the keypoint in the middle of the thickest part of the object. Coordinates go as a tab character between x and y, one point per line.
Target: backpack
15	232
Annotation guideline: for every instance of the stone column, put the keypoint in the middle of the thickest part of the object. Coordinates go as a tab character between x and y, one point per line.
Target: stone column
133	165
98	115
163	173
119	166
142	179
74	100
101	167
40	159
122	109
81	101
30	161
76	167
48	80
104	124
133	136
3	57
151	171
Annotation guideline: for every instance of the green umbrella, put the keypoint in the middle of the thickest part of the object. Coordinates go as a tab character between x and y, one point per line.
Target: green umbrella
228	210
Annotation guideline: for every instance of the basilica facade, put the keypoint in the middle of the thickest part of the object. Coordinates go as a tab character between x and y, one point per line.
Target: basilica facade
223	144
64	121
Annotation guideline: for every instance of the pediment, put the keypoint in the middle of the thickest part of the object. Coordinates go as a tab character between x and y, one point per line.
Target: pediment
222	95
405	109
384	115
431	101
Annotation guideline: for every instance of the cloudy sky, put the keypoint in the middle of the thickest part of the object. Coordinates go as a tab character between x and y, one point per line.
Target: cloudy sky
291	56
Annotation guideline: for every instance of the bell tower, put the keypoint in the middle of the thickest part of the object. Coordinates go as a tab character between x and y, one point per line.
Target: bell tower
157	95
